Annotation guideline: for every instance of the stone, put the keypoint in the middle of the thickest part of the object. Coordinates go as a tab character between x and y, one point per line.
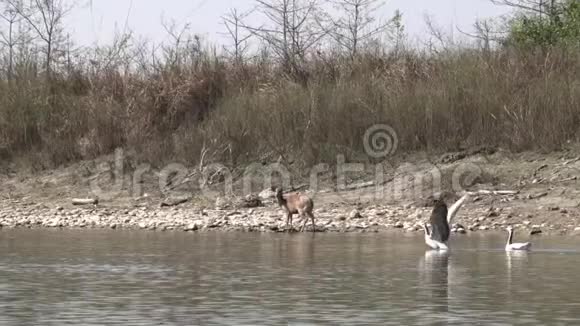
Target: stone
493	213
535	231
380	213
251	201
471	228
266	194
354	214
221	203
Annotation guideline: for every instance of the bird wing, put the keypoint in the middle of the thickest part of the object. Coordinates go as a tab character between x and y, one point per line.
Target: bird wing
521	245
455	208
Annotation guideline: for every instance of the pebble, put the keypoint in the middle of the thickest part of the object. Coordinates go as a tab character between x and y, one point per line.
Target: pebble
493	214
267	219
535	231
354	214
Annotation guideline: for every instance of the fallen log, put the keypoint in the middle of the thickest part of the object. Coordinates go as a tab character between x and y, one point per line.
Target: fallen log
494	192
85	201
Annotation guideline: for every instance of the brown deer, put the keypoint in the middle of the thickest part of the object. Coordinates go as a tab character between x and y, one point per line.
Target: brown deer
296	203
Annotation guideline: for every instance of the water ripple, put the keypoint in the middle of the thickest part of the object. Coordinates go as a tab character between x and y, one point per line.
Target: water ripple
119	278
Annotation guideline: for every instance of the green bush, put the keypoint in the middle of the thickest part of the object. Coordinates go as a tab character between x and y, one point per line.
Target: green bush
561	25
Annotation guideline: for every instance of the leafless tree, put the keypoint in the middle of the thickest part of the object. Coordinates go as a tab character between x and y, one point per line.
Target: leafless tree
233	22
439	40
357	23
45	18
487	32
291	30
540	7
180	38
9	37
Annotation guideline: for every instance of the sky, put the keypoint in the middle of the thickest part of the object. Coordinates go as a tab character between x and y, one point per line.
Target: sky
97	22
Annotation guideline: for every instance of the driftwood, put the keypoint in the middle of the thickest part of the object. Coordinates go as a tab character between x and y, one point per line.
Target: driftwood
494	192
360	185
568	179
538	195
366	184
251	201
169	202
85	201
572	161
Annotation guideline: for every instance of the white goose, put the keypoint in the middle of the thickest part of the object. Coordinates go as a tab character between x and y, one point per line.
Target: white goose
440	220
434	244
515	246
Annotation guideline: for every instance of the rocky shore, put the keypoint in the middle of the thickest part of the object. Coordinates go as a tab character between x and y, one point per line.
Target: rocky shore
543	197
373	218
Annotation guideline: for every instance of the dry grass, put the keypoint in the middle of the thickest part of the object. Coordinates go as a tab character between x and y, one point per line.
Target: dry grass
253	112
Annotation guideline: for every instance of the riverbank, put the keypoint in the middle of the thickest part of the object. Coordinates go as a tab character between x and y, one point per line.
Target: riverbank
545	200
473	217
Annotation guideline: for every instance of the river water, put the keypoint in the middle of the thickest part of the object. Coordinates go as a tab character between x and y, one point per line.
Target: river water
147	278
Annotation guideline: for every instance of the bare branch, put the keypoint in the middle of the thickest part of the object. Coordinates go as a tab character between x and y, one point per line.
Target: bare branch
45	17
233	23
356	25
536	6
291	30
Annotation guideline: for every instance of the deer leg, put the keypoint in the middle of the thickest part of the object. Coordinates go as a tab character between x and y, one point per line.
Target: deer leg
313	224
305	220
289	221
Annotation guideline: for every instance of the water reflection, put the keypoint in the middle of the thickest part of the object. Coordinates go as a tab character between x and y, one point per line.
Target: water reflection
300	279
435	284
516	262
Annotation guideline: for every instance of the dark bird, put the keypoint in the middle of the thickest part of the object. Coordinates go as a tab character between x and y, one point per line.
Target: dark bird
439	222
440	219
